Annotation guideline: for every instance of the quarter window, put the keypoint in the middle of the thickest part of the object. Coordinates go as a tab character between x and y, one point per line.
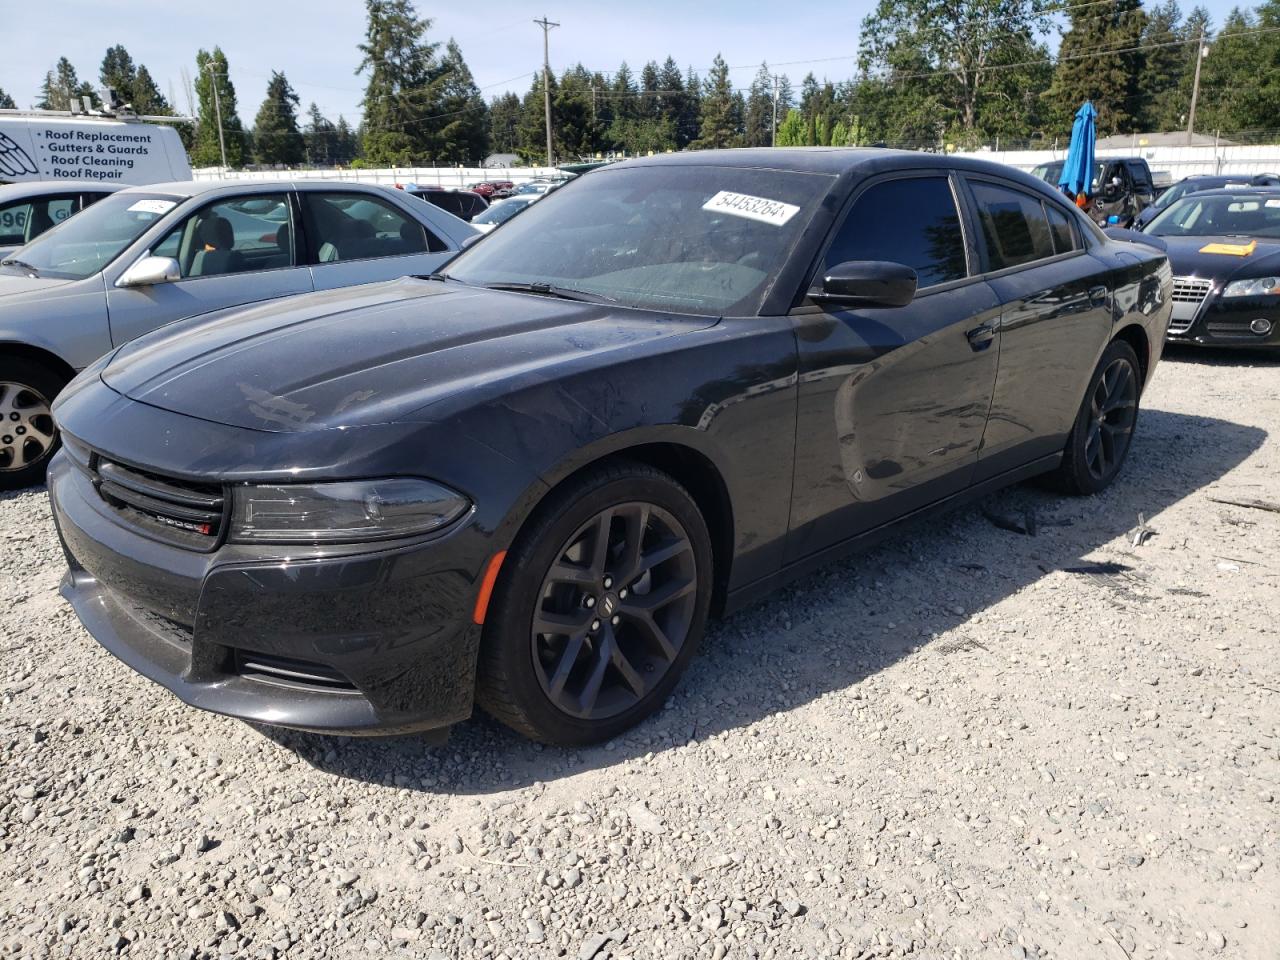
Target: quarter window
1015	229
237	235
358	226
912	221
1064	237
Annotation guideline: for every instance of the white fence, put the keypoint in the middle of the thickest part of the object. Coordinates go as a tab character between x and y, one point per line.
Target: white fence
1179	162
440	176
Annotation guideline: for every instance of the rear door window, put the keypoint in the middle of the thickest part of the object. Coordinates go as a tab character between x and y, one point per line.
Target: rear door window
1015	229
359	226
912	221
23	221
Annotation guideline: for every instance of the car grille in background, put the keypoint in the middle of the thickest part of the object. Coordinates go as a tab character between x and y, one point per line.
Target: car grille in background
1188	290
286	670
177	511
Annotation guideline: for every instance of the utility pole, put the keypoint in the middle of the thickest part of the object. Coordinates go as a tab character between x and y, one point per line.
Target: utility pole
1195	88
773	136
217	110
547	26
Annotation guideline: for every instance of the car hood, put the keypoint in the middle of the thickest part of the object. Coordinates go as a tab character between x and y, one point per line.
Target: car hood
1187	260
372	354
13	284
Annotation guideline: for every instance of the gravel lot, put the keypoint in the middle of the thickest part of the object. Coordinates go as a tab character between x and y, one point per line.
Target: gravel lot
956	745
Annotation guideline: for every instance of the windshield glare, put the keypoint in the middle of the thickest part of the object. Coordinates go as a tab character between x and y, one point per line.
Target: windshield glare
689	239
1197	215
82	245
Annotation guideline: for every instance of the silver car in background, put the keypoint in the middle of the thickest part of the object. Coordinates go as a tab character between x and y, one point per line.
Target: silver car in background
149	255
29	209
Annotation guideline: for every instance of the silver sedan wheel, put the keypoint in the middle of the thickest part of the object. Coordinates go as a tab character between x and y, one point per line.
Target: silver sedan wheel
26	426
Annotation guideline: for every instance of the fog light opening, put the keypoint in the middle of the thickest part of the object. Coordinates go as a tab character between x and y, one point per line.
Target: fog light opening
1261	326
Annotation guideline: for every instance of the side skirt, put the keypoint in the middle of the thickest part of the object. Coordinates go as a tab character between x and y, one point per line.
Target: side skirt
757	590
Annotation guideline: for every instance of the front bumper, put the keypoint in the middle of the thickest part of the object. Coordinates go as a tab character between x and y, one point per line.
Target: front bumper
361	642
1219	322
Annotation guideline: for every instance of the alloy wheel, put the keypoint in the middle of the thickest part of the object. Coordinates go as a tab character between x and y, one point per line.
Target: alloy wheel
614	610
26	426
1113	408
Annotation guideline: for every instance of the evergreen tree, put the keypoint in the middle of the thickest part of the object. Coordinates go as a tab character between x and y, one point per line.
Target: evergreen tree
650	106
1099	60
532	144
401	100
463	136
61	86
689	127
118	72
791	131
276	137
673	104
7	102
721	109
1240	77
1164	63
758	123
211	73
147	98
504	123
347	143
319	138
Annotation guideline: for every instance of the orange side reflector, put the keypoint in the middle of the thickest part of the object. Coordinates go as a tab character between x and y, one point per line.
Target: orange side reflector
486	585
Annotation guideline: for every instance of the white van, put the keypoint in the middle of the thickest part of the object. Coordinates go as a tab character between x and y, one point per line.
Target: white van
120	152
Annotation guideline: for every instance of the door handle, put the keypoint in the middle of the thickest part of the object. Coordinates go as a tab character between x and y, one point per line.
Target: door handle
980	337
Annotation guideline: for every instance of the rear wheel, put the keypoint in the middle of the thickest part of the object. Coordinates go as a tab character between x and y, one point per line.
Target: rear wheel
602	602
28	437
1103	431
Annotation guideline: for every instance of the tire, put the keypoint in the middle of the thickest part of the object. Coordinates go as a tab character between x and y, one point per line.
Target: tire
540	683
28	438
1103	431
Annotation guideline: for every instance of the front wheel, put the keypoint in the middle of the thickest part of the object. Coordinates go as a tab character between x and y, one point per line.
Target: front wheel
1103	430
599	609
28	437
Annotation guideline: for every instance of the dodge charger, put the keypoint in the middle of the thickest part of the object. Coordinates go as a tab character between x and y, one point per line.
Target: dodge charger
527	481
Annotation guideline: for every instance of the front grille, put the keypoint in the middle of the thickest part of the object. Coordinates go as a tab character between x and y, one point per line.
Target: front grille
176	511
1231	329
287	670
1191	291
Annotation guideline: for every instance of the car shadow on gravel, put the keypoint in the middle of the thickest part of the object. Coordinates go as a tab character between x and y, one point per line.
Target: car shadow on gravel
834	628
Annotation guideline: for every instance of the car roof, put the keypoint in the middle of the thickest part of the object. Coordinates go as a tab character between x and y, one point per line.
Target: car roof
196	188
42	188
837	161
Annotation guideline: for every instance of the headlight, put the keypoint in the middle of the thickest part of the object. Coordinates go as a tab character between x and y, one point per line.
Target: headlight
343	512
1252	288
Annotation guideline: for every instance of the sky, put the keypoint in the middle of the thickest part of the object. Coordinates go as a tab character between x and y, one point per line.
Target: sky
314	43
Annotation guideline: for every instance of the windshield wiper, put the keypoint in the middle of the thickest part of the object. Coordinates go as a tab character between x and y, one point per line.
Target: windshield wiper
12	262
551	290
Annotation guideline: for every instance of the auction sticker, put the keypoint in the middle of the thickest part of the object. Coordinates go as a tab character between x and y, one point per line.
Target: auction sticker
152	206
753	208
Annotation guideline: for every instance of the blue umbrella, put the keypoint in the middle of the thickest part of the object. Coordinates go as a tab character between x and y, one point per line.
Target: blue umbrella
1077	169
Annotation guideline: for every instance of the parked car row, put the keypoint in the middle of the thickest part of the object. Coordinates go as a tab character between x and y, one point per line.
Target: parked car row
526	478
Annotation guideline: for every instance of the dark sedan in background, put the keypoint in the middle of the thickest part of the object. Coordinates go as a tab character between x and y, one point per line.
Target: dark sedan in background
1196	184
1224	249
660	392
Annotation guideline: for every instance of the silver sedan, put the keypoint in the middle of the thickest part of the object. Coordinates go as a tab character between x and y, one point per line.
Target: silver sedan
146	256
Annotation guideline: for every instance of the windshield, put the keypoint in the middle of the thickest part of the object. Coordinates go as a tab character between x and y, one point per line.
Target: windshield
1197	215
692	239
82	245
500	212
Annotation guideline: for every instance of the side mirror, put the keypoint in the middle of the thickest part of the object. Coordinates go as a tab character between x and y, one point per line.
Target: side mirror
471	239
866	283
149	271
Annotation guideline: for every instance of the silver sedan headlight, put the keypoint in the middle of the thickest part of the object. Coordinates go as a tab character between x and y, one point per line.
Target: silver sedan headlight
343	512
1254	287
